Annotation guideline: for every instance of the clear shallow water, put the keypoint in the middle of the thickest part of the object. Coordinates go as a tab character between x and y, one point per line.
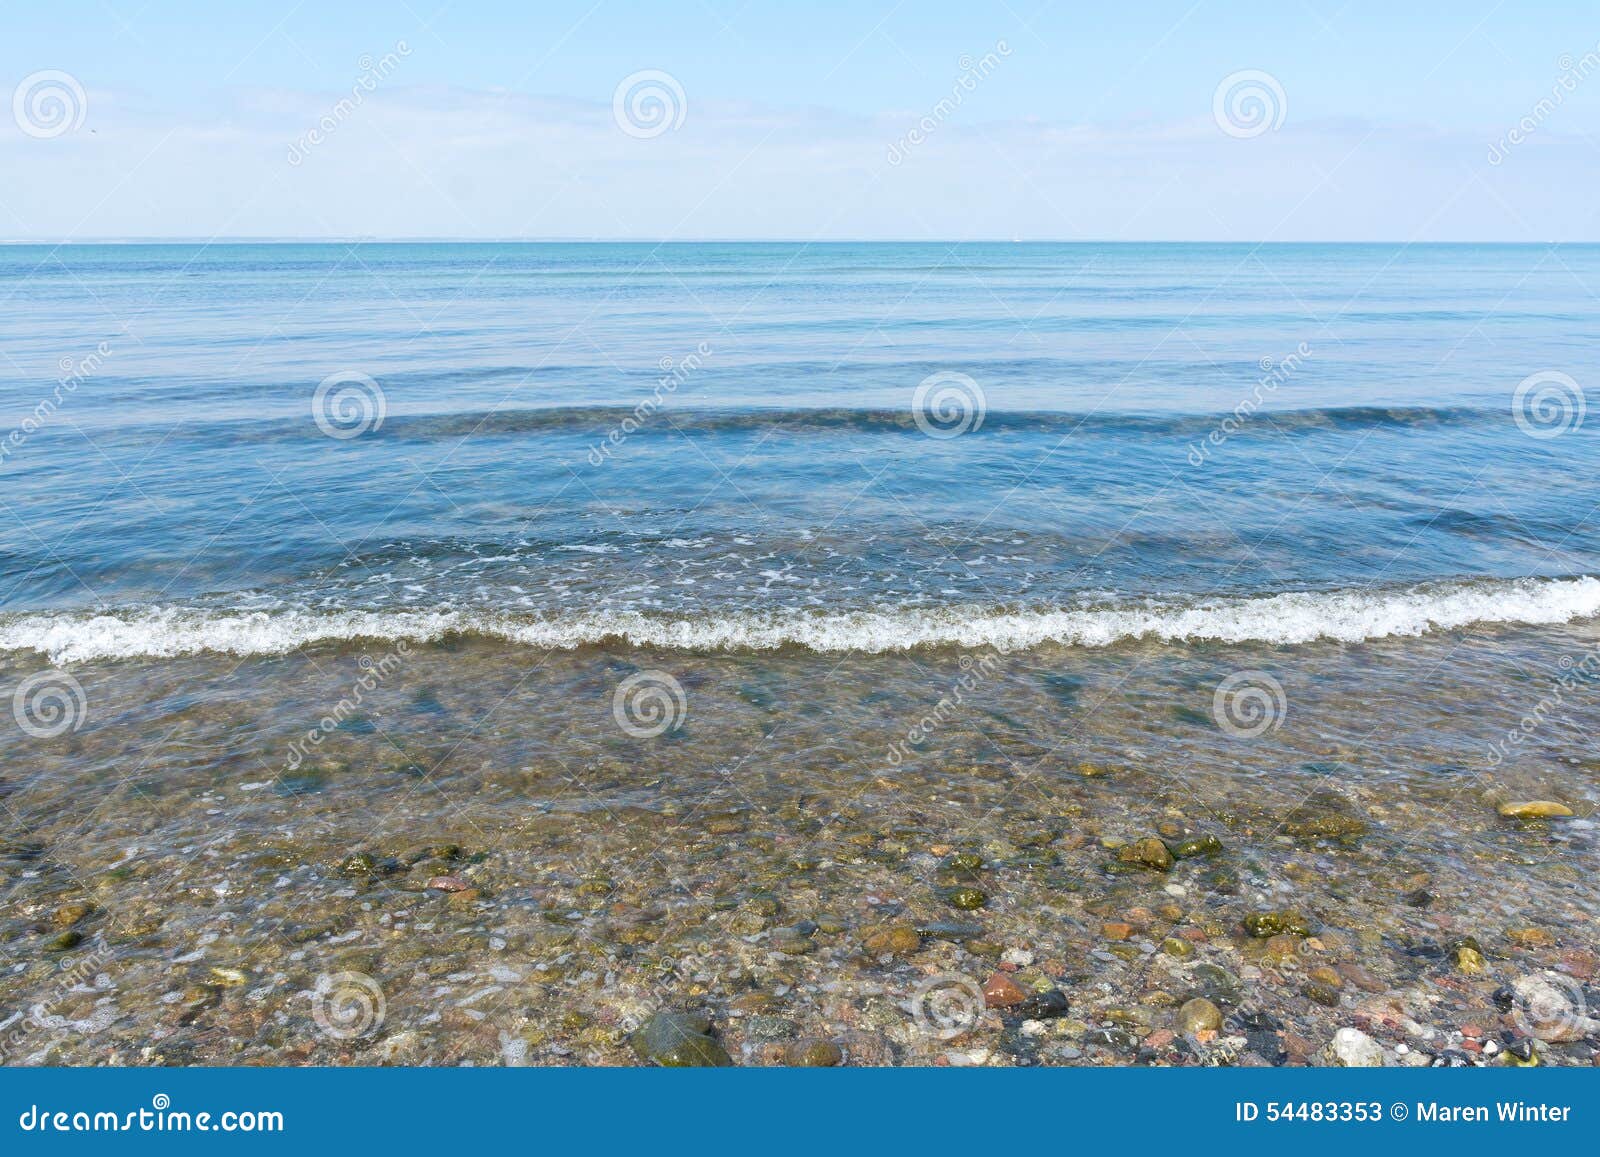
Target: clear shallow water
183	479
686	717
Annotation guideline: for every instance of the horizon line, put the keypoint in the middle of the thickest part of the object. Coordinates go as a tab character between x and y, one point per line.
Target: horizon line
445	239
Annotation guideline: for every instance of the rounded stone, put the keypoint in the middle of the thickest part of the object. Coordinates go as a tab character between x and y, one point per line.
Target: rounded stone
1149	852
1199	1015
1535	809
966	899
1000	991
813	1053
678	1040
893	940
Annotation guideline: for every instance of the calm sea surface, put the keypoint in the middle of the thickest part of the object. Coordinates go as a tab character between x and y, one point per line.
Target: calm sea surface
720	445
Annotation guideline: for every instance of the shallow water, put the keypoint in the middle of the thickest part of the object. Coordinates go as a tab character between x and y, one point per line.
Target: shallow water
682	718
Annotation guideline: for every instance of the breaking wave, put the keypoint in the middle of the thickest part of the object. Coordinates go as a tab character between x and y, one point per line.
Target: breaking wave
1285	619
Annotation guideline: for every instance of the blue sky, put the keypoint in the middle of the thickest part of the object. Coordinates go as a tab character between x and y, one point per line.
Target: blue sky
1089	120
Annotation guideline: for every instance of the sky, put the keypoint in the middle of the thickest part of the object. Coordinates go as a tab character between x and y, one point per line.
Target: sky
1299	120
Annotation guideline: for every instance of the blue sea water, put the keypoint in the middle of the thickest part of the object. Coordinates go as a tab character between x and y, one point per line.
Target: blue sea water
845	446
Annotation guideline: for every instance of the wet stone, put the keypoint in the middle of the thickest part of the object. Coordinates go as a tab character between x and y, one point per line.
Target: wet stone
962	862
1264	924
1197	846
1000	991
1541	809
71	913
1323	994
1199	1015
1046	1005
1149	853
1115	1038
813	1053
965	898
678	1040
894	940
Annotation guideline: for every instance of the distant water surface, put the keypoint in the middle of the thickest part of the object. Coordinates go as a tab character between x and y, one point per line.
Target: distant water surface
720	446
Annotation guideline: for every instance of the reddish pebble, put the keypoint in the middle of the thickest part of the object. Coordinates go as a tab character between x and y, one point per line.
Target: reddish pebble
1000	991
1472	1030
1161	1038
448	884
1117	931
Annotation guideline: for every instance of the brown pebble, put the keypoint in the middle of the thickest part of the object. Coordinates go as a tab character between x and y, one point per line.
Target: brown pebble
1000	991
1322	974
1116	931
1296	1046
70	913
1283	946
1530	937
1360	977
448	884
1148	852
813	1053
894	940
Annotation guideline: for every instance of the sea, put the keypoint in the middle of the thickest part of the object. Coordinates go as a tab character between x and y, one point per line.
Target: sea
678	565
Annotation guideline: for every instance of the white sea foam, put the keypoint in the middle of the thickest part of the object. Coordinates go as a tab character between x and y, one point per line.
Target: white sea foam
1348	616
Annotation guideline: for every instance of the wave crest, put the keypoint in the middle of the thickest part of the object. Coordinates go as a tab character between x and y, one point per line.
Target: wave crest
1300	617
